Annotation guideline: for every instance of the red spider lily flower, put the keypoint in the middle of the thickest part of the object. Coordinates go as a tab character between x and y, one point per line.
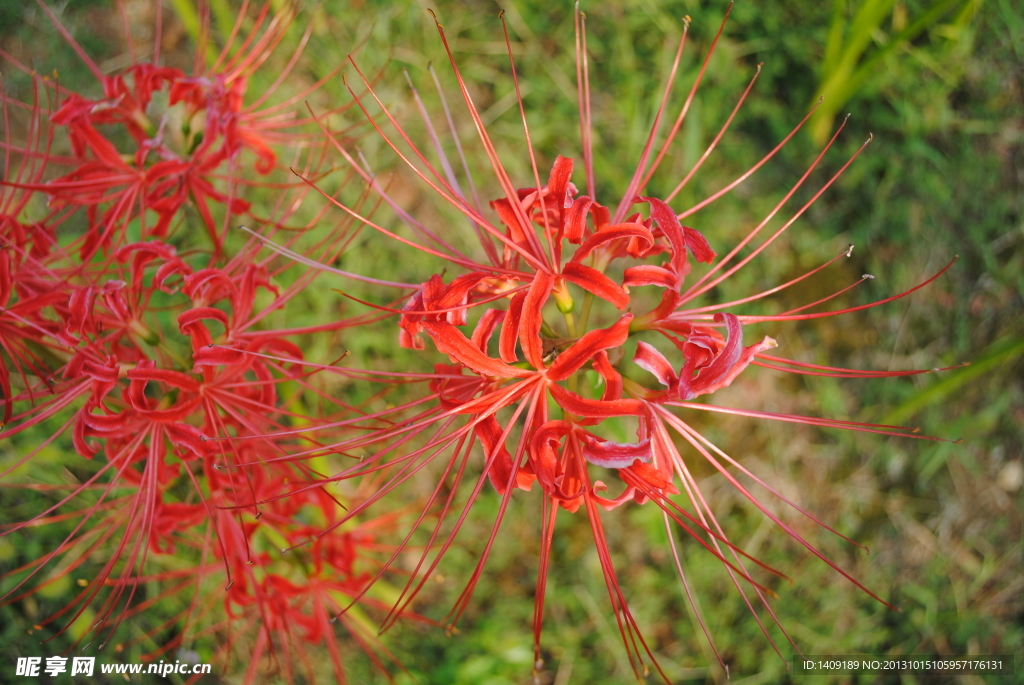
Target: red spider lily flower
197	162
516	374
145	403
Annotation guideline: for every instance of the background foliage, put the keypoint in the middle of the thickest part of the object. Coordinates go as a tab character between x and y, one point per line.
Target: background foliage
941	86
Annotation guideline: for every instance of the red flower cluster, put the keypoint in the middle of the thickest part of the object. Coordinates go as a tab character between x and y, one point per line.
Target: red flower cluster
179	155
128	334
541	330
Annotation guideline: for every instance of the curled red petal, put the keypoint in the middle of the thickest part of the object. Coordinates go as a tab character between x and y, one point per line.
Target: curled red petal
648	274
215	355
80	310
615	455
188	437
597	409
648	357
195	314
103	423
545	444
485	327
103	374
614	232
143	254
612	378
507	216
209	285
627	495
680	236
410	324
729	363
558	181
719	367
595	282
437	295
82	445
265	154
175	379
531	320
612	383
576	219
584	349
452	342
510	329
702	345
649	475
699	245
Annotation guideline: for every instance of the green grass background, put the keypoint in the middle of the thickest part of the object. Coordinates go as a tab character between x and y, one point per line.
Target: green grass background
940	86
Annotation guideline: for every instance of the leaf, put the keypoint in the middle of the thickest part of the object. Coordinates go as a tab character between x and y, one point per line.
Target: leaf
844	72
1002	351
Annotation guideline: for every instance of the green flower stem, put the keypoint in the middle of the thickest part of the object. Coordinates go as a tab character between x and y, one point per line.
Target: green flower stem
588	301
570	324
